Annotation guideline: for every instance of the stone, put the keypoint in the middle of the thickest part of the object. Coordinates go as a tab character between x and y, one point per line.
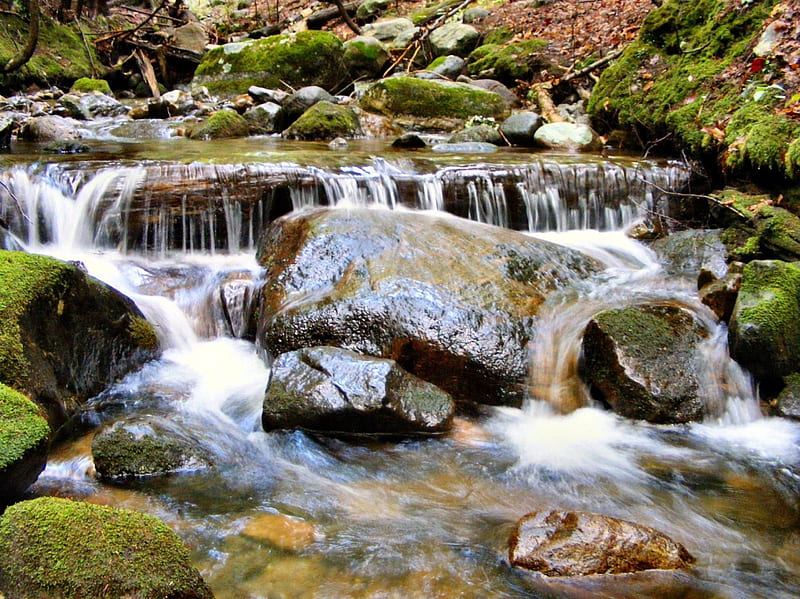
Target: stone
719	294
86	550
283	532
69	146
685	253
337	390
449	66
520	128
50	128
192	37
372	8
300	101
479	134
222	124
509	63
263	95
409	141
496	87
387	31
458	39
452	301
365	56
787	404
86	84
24	441
471	15
567	136
324	121
92	105
770	38
560	543
642	361
466	147
263	119
7	127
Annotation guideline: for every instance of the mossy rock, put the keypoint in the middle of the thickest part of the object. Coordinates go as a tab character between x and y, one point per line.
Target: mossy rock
510	62
222	124
432	102
64	336
297	59
24	440
60	57
764	334
324	120
87	84
364	56
56	548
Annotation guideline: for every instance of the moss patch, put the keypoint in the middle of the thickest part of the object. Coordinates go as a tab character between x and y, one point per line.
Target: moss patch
509	62
222	124
22	427
87	84
143	333
324	120
55	547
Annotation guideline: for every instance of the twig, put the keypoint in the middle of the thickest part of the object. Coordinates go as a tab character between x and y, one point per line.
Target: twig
589	68
86	46
15	200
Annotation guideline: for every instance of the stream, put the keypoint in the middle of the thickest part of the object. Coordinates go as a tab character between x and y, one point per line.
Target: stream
289	514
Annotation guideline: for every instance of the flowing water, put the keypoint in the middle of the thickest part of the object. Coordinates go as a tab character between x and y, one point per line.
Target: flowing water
291	514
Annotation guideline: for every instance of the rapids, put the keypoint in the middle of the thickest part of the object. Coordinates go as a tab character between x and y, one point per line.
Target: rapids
421	517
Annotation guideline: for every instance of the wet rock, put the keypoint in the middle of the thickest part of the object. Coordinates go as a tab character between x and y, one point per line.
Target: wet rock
458	39
261	94
365	56
642	362
283	532
324	121
409	141
581	543
787	403
221	124
7	126
24	441
688	252
192	37
478	133
300	101
720	294
263	119
567	136
92	105
236	294
466	147
51	128
449	66
304	58
390	30
764	333
66	147
65	336
452	301
135	448
337	390
86	550
520	128
338	144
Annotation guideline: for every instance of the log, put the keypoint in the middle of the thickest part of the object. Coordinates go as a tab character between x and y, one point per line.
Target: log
149	74
547	107
321	18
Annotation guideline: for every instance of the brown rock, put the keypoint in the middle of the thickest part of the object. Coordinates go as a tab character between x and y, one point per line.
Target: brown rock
560	543
289	534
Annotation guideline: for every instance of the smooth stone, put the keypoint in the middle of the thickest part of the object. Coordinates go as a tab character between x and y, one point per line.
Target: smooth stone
566	136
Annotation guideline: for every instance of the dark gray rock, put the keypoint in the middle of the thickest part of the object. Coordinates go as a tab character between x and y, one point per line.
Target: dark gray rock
478	133
688	252
788	402
333	389
92	105
262	94
409	141
520	128
263	119
300	101
7	126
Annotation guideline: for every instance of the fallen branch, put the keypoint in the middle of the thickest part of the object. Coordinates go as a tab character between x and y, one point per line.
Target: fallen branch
86	46
547	107
15	200
591	67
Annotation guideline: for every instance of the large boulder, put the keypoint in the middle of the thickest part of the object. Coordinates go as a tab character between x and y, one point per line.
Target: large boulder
64	336
764	334
334	389
24	440
51	128
192	37
53	547
452	301
642	361
458	39
432	104
324	121
365	56
295	59
581	543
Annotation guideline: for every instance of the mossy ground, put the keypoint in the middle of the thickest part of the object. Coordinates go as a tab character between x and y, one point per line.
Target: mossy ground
53	547
22	426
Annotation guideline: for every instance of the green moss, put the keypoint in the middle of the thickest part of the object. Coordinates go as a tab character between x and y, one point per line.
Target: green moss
499	35
119	454
510	62
432	11
792	159
222	124
56	547
22	426
86	84
324	120
143	333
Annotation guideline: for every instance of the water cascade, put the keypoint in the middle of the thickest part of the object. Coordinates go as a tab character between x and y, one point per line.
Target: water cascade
420	517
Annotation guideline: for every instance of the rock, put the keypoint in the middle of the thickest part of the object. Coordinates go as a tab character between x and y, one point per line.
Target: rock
642	362
50	128
64	336
221	124
778	232
24	441
324	121
458	39
479	134
297	59
86	550
787	403
7	126
451	301
520	128
283	532
496	87
192	37
561	543
337	390
300	101
685	253
86	84
263	95
719	294
92	105
467	147
263	119
431	104
372	8
567	136
764	333
474	14
447	66
388	31
365	56
132	449
338	144
409	141
770	38
69	146
509	63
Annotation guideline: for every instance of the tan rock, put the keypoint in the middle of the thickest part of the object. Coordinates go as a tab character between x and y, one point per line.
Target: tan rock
284	532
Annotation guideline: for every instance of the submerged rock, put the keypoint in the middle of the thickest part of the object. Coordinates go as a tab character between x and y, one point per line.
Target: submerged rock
478	134
452	301
24	440
86	550
324	121
581	543
688	252
642	361
333	389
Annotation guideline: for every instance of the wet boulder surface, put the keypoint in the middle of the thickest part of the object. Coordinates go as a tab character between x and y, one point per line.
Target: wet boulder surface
337	390
452	301
642	362
561	543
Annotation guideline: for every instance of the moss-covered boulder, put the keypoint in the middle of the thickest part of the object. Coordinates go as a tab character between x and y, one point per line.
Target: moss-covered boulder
432	104
365	56
296	59
220	125
64	336
510	63
24	439
87	84
675	84
324	121
787	403
642	361
336	390
764	334
56	548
